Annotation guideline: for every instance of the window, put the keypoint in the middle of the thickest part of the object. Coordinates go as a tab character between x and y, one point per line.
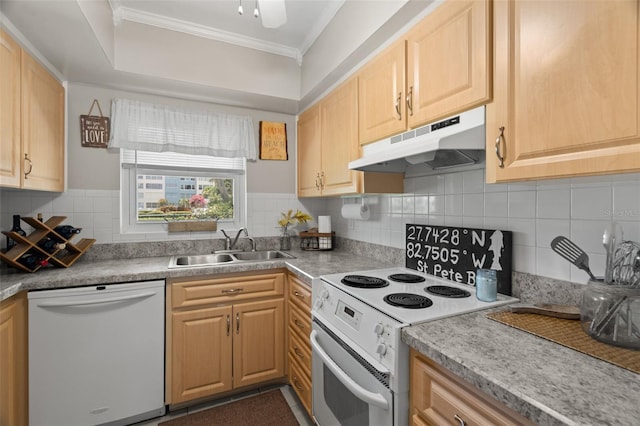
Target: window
180	187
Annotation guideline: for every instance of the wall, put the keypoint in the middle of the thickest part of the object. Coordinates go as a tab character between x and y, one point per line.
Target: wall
99	169
536	212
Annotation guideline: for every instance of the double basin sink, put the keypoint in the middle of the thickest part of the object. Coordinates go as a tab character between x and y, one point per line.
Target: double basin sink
226	258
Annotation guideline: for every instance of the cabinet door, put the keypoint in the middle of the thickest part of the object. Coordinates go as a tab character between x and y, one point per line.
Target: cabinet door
201	353
309	153
566	90
381	95
339	130
13	360
42	128
9	111
258	344
437	398
448	61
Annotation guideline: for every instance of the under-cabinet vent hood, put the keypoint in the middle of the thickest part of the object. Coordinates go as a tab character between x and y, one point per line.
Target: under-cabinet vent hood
455	141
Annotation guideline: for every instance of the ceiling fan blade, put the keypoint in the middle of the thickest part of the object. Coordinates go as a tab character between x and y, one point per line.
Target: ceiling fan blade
273	13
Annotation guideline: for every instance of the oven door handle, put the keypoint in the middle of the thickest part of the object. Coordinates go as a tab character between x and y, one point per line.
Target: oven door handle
369	397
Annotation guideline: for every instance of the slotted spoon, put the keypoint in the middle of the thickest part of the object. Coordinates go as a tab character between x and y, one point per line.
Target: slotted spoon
574	254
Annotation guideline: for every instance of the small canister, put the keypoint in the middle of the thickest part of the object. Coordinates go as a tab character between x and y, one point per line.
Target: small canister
486	285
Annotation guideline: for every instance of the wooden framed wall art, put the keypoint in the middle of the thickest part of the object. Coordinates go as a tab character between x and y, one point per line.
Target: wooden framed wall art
94	130
273	141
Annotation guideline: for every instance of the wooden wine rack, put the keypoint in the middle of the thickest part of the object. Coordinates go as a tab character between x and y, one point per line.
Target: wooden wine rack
29	244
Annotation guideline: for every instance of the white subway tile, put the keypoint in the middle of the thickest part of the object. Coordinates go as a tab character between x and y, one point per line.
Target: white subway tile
453	183
473	182
554	203
473	205
548	229
524	231
524	259
522	204
436	204
496	204
453	205
550	264
595	202
626	201
587	234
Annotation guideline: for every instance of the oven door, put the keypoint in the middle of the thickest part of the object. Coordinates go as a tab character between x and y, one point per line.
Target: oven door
347	390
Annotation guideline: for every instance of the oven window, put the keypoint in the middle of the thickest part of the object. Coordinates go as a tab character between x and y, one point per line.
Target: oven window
347	409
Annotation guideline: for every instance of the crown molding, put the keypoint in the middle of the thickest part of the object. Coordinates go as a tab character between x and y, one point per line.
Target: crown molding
121	13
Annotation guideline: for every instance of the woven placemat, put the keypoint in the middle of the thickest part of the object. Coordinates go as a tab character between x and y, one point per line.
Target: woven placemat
569	333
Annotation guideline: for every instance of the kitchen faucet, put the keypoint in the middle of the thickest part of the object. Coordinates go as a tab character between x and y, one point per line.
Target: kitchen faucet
229	245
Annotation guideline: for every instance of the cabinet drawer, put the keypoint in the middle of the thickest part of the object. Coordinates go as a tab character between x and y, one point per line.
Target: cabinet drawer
439	398
299	320
300	293
301	385
300	350
204	291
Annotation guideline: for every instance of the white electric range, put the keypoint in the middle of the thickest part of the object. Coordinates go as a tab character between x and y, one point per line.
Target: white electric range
360	365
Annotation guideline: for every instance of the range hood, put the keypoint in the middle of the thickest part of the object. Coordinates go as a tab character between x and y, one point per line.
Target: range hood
455	141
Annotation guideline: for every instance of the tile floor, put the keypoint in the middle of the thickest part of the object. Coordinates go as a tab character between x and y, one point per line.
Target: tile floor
289	395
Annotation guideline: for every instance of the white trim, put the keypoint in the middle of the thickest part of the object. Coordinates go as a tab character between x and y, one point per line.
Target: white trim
198	30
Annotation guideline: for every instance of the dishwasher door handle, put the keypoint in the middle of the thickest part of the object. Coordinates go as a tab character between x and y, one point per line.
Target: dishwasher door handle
95	301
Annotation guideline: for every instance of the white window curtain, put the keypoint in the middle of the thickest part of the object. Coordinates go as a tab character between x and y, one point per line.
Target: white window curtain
150	127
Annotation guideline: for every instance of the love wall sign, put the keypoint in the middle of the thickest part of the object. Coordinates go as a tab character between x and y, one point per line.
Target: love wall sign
94	130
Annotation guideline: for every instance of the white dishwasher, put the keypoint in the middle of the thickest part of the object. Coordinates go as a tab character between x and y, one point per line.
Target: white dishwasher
96	354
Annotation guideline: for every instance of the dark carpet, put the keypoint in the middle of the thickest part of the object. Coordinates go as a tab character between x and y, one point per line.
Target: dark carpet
264	409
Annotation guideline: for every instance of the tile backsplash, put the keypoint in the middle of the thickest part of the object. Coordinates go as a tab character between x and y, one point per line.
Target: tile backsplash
536	212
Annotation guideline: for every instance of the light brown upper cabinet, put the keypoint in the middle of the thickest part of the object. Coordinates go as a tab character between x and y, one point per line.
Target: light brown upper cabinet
448	61
441	67
31	122
381	95
567	90
327	141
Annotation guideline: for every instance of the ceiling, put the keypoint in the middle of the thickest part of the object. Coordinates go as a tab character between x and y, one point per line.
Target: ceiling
202	49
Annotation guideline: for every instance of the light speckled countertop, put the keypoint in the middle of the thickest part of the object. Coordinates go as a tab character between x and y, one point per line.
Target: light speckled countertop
546	382
308	264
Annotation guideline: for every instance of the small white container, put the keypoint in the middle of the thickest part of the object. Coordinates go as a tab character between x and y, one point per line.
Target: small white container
487	285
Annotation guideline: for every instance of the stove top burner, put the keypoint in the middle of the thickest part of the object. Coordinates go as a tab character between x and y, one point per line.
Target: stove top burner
363	281
406	278
408	300
446	291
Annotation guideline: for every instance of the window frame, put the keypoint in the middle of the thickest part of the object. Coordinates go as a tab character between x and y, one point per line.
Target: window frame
129	193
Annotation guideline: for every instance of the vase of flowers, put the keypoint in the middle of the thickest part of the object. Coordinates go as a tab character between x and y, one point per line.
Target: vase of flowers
290	219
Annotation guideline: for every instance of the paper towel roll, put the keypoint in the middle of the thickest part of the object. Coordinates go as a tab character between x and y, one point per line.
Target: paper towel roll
355	211
324	224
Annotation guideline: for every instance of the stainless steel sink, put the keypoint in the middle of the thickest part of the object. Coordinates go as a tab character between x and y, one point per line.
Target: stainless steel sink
262	255
226	258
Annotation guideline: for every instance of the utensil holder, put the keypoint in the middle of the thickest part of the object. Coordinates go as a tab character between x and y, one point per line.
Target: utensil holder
611	314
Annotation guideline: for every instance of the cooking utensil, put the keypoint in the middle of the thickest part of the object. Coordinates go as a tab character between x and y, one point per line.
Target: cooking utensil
626	264
611	237
548	309
571	252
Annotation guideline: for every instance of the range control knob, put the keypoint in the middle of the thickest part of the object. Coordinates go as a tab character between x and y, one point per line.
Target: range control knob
381	349
317	304
379	329
324	294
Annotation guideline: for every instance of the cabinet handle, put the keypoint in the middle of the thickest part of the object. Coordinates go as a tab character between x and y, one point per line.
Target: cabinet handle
499	139
232	290
299	324
296	384
298	352
298	294
318	181
459	419
410	101
26	158
238	323
322	180
228	324
398	106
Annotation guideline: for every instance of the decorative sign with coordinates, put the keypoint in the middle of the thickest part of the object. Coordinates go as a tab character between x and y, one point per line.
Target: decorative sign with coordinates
456	253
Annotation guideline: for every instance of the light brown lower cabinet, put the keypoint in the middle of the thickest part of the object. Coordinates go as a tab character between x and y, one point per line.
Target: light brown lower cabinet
224	334
299	346
439	398
13	361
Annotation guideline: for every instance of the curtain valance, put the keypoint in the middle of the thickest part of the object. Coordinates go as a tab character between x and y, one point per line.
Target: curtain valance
151	127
